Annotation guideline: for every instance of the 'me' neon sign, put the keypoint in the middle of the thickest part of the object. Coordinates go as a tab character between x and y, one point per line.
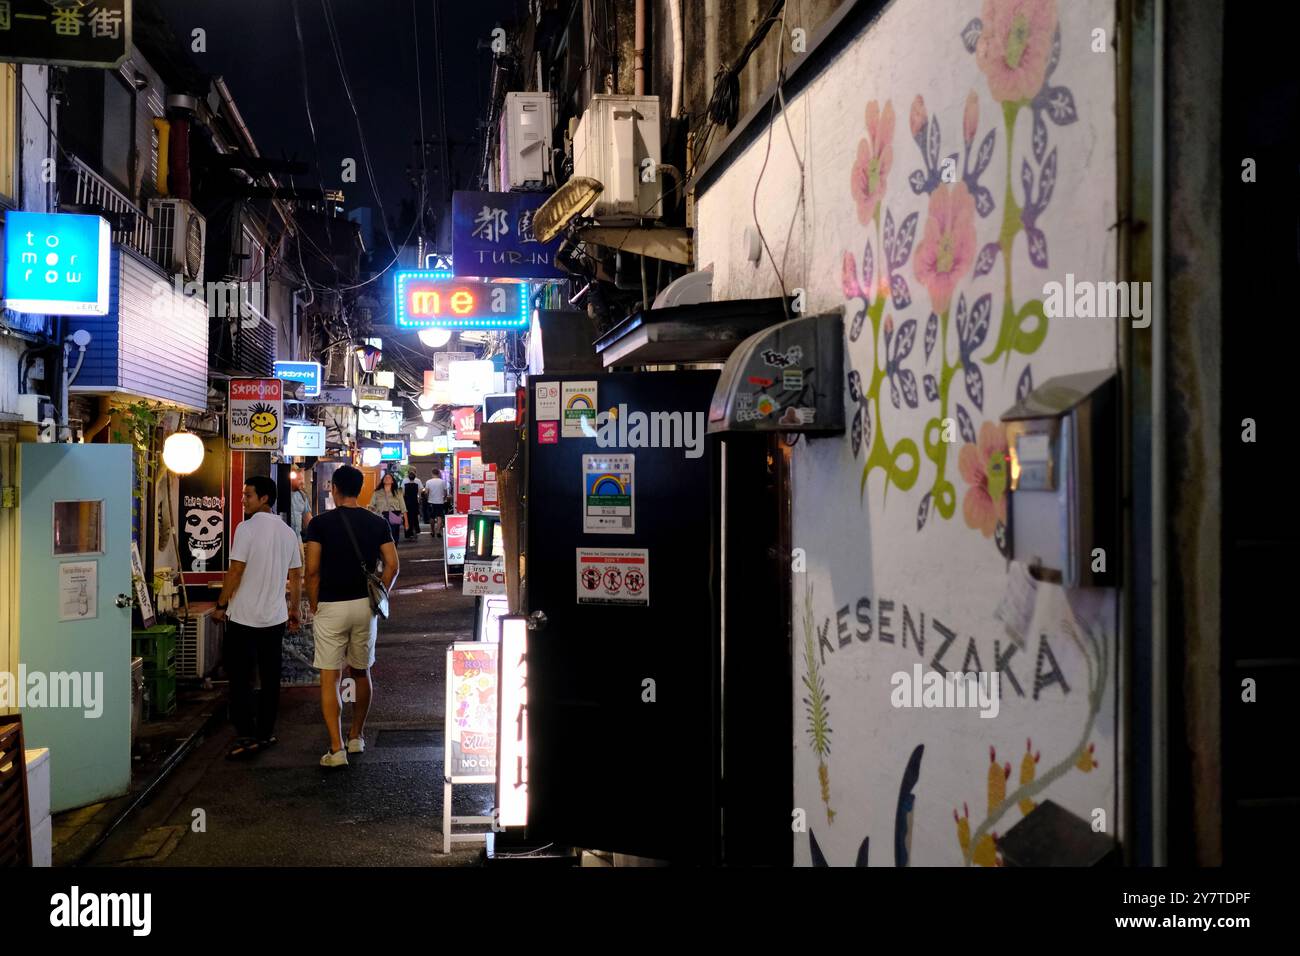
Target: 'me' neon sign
438	300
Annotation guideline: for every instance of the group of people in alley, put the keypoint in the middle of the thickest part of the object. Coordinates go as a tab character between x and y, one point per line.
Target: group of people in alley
334	555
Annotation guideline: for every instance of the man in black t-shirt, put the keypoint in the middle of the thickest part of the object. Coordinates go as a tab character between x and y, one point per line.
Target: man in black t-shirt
344	626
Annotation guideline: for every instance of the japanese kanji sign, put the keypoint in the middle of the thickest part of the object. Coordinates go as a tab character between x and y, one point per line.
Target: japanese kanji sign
492	237
94	35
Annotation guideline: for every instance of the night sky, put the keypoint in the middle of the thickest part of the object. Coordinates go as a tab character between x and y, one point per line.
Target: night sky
254	45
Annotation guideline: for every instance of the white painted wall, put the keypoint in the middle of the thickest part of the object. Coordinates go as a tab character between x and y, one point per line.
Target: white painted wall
866	558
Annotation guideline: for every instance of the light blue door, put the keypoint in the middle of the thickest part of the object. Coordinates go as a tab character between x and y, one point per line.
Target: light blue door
74	638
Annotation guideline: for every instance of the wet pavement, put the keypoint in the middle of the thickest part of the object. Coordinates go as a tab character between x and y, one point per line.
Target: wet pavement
281	808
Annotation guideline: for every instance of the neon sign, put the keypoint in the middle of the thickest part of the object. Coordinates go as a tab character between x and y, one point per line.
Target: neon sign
438	300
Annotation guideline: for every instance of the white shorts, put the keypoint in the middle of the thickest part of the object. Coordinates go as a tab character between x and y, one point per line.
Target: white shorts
345	629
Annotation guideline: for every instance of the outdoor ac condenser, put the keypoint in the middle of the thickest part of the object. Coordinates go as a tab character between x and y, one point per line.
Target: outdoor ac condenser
525	141
617	143
179	234
199	647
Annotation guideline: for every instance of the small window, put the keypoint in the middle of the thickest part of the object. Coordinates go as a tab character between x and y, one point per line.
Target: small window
252	275
78	527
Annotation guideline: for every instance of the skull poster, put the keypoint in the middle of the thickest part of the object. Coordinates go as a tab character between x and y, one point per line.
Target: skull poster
201	523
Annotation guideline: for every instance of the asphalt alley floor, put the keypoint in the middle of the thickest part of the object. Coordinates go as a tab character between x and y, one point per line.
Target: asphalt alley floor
281	808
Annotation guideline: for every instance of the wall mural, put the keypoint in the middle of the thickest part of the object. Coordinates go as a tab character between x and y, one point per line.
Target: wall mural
917	294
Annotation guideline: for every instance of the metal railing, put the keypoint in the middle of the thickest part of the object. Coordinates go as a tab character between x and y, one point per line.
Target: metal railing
87	190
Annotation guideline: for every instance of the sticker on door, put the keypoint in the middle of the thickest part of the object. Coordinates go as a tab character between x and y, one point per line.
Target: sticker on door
614	576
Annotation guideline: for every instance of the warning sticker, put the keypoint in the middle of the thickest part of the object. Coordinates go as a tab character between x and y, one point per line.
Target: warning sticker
579	399
614	576
608	505
548	402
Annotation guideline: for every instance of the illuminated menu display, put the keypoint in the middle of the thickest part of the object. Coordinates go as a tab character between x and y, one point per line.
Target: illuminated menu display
438	300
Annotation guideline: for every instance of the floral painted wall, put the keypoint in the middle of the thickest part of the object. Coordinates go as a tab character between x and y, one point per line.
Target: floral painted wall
954	159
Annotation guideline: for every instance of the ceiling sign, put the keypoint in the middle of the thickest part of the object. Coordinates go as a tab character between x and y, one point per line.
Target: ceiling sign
92	34
466	422
305	441
392	451
492	237
56	263
438	300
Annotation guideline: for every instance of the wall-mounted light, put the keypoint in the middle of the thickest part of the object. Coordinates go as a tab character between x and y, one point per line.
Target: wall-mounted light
427	416
183	453
435	338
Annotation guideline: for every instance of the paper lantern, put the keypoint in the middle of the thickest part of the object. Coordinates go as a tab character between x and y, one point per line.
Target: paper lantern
183	453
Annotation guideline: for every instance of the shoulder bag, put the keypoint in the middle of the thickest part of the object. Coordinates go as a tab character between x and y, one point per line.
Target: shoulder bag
375	586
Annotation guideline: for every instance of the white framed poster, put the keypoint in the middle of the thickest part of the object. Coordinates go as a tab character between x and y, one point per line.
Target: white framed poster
608	498
78	590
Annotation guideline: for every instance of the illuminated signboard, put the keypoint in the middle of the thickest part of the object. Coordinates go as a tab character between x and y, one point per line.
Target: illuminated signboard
56	263
308	373
438	300
392	451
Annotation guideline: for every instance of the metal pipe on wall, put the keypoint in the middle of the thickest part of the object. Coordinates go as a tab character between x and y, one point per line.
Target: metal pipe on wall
638	50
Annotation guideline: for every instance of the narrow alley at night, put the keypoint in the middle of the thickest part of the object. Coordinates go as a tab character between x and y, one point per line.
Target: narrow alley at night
715	438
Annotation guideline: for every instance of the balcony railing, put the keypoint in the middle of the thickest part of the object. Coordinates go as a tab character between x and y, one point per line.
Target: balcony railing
83	188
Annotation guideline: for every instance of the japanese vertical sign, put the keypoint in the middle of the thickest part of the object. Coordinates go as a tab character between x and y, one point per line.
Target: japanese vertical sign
94	35
256	409
492	237
472	713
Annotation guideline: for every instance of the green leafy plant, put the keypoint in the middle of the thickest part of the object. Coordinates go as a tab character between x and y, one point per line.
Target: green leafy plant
815	704
137	424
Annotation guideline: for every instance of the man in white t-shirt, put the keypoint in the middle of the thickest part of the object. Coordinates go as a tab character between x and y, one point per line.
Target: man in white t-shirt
435	490
264	553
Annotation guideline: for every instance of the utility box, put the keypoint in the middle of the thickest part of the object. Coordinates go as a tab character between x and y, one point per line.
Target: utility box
1063	453
617	143
525	141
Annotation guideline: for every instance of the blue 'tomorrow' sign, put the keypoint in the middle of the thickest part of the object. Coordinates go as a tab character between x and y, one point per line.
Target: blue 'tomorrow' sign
56	263
306	372
492	237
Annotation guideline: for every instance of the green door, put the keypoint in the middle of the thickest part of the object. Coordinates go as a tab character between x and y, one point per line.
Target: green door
74	645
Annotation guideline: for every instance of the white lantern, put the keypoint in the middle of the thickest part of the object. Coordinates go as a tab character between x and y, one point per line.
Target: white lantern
422	449
371	457
425	401
427	415
421	431
435	338
183	453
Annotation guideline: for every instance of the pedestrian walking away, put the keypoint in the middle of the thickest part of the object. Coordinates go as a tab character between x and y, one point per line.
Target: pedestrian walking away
435	490
411	492
387	502
264	553
344	546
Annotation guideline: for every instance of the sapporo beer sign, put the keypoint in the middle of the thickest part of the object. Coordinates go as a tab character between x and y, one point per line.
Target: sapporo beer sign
93	34
256	411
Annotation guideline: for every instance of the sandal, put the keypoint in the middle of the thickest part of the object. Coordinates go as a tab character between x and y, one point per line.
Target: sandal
268	743
244	747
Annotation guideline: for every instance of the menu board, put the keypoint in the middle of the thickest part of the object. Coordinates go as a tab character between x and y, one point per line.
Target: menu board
476	482
472	713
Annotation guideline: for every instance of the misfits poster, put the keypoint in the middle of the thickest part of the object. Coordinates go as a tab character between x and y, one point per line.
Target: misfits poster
201	524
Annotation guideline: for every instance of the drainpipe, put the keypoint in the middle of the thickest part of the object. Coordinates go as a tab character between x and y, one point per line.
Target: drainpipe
164	130
679	54
182	108
638	51
1159	531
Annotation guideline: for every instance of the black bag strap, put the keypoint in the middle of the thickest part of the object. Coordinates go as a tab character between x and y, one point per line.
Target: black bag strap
347	526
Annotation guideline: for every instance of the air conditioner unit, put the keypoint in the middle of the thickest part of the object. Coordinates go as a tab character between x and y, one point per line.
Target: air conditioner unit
179	232
199	648
525	140
617	143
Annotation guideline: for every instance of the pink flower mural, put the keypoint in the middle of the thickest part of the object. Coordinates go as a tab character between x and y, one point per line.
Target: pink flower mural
984	468
947	249
1015	46
875	158
849	277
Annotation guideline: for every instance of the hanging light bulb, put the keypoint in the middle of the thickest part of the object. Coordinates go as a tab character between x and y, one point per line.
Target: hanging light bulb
421	431
370	457
425	401
183	453
435	338
427	415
